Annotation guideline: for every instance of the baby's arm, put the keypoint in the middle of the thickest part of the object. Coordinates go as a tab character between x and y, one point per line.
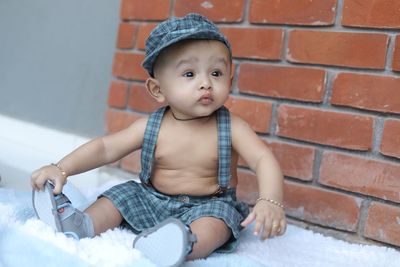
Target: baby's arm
93	154
269	217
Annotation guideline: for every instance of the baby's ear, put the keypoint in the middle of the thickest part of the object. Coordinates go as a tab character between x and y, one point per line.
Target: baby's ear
153	87
232	74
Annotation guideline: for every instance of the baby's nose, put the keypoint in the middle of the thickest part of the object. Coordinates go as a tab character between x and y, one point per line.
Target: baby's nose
205	84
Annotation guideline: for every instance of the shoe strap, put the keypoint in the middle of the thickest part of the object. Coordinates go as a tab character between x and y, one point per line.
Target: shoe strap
62	201
192	238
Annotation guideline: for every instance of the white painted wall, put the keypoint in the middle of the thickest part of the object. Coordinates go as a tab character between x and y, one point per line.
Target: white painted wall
56	62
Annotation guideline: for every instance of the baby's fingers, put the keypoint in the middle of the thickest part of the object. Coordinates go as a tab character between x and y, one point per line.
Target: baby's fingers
38	179
57	187
259	226
276	228
283	226
249	219
34	176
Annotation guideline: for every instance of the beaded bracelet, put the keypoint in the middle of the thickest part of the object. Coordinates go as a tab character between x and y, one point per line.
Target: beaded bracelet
270	201
63	173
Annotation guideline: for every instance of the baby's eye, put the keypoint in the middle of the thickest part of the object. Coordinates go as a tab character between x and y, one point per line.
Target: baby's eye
188	74
216	73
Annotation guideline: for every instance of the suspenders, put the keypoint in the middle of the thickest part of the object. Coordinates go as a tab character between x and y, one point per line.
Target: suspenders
224	146
149	144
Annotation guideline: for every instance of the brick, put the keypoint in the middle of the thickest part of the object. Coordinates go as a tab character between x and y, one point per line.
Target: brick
303	84
215	10
144	10
118	120
369	92
396	55
247	188
140	100
322	206
131	163
143	33
255	43
118	94
128	66
256	113
372	14
296	161
126	36
383	223
299	12
390	145
326	127
347	49
366	176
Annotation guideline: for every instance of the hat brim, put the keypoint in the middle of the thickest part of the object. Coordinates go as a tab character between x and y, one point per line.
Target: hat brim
148	62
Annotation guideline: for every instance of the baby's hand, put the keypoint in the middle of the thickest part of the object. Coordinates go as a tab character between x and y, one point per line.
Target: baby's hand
270	219
49	172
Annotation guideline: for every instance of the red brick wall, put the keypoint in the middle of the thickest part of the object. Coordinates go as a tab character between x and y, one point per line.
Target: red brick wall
318	80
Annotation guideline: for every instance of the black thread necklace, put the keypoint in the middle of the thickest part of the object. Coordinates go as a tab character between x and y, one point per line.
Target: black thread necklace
190	119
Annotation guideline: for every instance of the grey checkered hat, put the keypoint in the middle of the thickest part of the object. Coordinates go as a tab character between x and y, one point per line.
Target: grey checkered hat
173	30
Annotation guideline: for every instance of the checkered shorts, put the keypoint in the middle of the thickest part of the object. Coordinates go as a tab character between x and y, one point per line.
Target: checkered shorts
143	207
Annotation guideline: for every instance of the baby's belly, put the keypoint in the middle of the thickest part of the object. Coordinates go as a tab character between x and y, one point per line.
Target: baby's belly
176	183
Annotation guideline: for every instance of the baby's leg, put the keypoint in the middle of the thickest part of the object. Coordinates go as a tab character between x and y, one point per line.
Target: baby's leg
211	234
104	215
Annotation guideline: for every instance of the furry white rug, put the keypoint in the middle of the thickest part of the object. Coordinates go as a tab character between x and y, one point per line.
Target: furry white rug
26	241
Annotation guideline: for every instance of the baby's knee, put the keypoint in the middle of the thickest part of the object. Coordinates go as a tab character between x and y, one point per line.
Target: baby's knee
104	215
211	234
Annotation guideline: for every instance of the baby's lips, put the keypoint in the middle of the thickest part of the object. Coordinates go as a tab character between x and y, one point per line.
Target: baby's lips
206	99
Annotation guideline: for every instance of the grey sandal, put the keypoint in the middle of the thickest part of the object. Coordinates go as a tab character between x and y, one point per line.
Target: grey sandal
58	212
166	244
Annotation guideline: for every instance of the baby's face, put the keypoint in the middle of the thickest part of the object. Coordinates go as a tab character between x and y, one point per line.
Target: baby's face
195	77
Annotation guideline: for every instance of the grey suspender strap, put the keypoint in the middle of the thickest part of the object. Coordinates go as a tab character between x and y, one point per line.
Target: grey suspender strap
224	147
149	144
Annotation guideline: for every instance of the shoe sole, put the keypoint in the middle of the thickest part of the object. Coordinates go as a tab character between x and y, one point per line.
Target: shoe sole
165	244
44	205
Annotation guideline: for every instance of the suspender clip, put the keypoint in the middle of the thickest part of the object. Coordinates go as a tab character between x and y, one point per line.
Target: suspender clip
220	191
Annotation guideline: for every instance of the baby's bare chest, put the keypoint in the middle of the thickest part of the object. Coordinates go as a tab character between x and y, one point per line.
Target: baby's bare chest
183	148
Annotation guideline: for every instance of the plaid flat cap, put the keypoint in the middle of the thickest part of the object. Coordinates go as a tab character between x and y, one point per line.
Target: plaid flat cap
173	30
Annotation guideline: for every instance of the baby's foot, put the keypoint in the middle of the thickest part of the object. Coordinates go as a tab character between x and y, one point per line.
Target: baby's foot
166	244
58	212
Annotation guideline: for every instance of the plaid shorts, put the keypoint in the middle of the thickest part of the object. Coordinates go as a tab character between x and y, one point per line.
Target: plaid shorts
143	207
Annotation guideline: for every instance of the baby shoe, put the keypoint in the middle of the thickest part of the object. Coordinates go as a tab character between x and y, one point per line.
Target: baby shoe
58	212
167	243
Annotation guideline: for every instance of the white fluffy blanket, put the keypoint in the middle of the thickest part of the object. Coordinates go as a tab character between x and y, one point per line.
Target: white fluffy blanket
26	241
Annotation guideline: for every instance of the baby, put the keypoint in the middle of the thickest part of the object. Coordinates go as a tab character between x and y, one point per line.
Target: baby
190	148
